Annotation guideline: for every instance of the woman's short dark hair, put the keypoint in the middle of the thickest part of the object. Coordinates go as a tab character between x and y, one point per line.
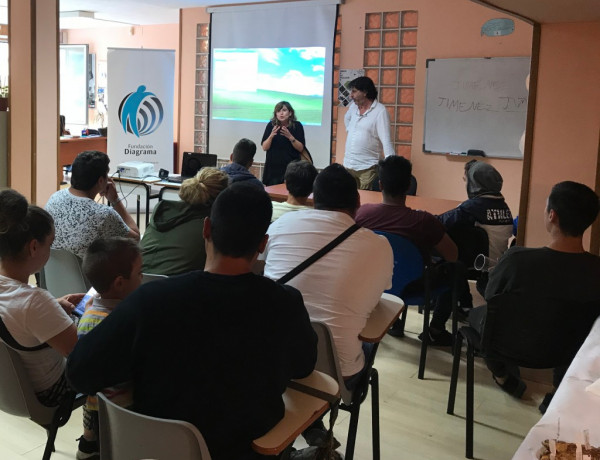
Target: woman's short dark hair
20	223
299	178
576	205
239	219
288	106
87	168
365	84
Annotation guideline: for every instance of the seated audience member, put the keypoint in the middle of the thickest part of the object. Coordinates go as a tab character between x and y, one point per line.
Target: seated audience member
39	325
299	177
172	242
216	348
114	268
78	219
485	207
561	269
344	286
422	228
241	161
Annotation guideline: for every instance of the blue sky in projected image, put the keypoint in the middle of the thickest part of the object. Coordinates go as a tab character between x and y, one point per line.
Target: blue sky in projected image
288	70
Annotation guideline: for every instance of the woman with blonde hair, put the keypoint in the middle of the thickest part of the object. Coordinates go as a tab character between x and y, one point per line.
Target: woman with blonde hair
172	243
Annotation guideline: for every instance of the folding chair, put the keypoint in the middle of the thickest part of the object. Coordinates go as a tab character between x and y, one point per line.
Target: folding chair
18	398
408	267
126	435
379	322
521	330
63	275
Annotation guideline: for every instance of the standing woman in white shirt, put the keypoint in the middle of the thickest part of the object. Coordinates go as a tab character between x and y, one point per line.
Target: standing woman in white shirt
38	323
283	140
368	128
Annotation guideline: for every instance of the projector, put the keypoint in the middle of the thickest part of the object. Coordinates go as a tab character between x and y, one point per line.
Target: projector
137	169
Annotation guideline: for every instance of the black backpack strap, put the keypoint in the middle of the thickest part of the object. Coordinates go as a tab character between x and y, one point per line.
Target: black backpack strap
317	255
11	342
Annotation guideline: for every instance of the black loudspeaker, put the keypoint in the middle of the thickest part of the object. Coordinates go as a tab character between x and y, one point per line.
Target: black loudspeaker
163	174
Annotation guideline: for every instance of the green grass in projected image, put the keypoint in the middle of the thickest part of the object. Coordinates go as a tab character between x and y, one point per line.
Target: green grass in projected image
258	106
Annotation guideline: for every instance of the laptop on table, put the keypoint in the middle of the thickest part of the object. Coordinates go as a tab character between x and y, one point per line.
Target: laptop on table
193	162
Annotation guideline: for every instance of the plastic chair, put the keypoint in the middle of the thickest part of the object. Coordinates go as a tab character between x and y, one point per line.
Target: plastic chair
521	330
127	435
327	361
149	277
18	398
408	267
471	241
63	275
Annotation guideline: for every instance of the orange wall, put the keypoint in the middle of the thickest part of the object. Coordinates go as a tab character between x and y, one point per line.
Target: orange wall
164	36
567	116
447	29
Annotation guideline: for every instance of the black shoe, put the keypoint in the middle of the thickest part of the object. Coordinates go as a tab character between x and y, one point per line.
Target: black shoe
514	386
438	339
87	450
543	407
396	330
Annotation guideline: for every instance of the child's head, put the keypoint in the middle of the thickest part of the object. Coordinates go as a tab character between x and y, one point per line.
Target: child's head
113	266
26	231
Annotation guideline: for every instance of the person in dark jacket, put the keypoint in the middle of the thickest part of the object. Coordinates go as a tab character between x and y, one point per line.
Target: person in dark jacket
216	348
242	158
485	207
172	243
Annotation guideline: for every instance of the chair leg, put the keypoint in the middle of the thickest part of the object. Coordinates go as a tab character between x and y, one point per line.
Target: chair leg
51	430
403	319
375	413
424	343
350	443
454	377
470	391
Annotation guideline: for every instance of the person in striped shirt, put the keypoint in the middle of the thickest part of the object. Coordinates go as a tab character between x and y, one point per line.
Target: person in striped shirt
114	268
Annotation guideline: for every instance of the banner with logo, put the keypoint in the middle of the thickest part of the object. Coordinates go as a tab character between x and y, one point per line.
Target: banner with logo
140	91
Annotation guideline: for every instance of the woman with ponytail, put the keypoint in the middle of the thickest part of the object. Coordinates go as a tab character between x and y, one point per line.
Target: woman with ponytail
34	323
173	243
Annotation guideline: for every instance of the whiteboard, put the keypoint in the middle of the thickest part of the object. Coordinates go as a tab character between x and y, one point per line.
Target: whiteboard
476	104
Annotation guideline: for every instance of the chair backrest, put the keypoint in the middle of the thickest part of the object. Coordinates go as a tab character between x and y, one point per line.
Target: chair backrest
63	275
536	331
16	393
327	358
471	241
127	435
149	277
408	262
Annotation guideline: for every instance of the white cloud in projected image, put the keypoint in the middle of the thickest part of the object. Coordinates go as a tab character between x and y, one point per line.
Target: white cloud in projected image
292	82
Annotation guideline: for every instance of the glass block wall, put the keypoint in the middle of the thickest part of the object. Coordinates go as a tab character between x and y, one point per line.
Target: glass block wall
390	57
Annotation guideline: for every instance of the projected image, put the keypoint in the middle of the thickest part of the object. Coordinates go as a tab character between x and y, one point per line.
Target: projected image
247	83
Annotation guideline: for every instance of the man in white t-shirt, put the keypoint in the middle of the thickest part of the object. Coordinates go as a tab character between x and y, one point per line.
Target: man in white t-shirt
368	132
299	177
342	288
78	219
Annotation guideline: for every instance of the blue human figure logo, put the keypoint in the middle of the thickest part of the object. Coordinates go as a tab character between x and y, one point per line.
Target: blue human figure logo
131	107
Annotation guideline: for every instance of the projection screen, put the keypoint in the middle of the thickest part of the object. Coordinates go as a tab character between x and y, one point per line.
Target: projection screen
262	54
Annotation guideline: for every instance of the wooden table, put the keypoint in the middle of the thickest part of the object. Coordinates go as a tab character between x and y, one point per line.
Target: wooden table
433	205
73	146
301	410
